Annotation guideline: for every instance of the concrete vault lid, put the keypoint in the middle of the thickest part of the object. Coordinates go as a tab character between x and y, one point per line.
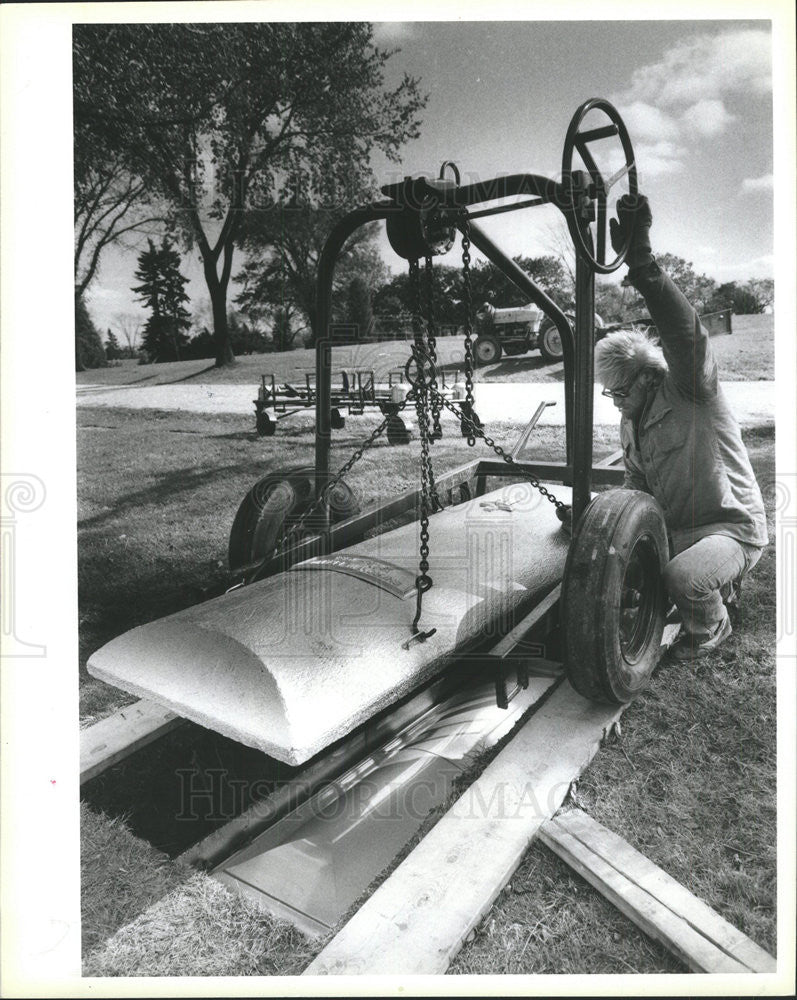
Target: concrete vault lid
293	663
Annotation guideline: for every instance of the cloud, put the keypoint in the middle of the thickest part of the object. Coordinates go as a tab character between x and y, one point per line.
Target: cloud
658	159
708	117
649	123
680	98
707	66
764	183
755	267
392	32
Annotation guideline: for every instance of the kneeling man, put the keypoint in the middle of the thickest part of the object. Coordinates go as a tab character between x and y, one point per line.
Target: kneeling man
682	444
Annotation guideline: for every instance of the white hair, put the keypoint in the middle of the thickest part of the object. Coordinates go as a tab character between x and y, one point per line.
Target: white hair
621	356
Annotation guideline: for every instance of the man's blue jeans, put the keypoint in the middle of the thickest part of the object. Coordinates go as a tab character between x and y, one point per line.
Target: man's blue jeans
696	577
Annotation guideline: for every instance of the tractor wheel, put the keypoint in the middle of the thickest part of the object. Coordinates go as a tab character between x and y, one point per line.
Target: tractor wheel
275	503
550	343
613	596
399	430
486	350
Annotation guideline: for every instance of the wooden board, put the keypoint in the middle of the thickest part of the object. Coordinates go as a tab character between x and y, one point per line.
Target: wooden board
122	733
657	903
418	919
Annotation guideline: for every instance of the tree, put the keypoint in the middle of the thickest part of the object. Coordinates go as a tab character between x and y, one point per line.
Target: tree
282	334
112	349
359	311
699	289
219	117
283	245
745	301
129	325
764	290
162	290
109	204
89	352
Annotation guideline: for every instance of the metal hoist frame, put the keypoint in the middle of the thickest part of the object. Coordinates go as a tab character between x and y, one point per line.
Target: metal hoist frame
422	217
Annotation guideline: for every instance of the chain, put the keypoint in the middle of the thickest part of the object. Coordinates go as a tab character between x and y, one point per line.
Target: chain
461	416
293	534
429	498
431	340
466	285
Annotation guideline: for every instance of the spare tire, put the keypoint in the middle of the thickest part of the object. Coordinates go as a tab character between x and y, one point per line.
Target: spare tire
613	596
273	505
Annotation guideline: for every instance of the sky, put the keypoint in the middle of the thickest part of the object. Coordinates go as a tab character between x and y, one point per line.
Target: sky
696	97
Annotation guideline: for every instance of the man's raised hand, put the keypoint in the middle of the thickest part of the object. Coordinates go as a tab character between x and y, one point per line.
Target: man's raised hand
632	226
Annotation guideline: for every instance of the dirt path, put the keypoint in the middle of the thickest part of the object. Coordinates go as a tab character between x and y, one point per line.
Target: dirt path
752	402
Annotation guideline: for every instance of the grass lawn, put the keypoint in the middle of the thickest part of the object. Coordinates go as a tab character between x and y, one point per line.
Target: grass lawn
748	354
691	782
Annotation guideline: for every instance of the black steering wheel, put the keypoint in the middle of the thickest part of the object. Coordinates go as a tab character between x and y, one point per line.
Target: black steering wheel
586	205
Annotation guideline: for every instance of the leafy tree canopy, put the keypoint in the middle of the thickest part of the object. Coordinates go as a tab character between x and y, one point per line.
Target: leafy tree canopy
283	245
220	117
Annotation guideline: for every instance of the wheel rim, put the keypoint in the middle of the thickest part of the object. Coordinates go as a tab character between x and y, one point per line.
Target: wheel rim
552	341
486	352
639	598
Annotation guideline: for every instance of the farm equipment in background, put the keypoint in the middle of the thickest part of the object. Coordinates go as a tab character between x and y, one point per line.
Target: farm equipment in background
518	330
356	391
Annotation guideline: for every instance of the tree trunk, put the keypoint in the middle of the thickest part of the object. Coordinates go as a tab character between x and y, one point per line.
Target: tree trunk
312	315
218	300
221	332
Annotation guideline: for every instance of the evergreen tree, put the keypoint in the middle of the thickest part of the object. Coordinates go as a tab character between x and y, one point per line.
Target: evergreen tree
162	290
112	349
89	352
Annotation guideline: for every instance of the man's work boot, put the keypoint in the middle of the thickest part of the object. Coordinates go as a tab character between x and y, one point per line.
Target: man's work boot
691	647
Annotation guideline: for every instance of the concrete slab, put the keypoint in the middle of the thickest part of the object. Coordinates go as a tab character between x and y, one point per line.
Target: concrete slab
293	663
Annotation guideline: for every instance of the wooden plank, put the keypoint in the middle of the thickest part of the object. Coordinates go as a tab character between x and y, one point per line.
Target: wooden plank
122	733
642	872
418	919
655	919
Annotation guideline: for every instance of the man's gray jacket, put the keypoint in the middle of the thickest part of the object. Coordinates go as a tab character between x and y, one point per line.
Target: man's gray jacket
686	449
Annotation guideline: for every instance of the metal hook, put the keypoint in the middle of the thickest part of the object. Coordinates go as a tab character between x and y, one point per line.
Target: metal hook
423	583
454	167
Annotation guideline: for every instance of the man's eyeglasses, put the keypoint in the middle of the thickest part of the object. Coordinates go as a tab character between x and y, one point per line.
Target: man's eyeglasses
620	393
616	393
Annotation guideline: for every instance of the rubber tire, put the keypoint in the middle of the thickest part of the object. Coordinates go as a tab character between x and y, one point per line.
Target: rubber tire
399	431
550	343
609	531
264	425
492	344
272	504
